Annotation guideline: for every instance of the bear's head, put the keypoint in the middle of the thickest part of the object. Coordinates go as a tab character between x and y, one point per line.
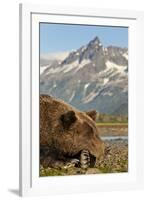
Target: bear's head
66	131
77	131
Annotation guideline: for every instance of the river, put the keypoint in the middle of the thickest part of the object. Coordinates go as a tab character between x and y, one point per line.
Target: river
109	138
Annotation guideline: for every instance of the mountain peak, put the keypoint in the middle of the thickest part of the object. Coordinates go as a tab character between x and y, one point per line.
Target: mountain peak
96	39
95	42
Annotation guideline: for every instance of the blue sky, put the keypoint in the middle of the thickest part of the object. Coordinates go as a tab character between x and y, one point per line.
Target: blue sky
60	37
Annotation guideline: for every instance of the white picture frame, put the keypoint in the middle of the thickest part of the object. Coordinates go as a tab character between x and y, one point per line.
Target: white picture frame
30	182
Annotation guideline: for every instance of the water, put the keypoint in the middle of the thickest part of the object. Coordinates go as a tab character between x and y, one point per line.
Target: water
109	138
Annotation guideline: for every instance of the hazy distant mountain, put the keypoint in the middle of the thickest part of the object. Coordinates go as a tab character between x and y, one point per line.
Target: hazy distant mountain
51	59
93	76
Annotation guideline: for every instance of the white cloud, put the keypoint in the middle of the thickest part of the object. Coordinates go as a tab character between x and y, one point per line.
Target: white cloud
54	56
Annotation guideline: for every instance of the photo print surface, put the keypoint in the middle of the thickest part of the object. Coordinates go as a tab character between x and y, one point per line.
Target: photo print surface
83	99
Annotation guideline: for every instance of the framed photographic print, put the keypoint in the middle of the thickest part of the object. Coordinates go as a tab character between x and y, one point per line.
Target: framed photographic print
81	97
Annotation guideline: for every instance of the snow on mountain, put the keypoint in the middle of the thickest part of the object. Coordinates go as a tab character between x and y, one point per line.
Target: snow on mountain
90	97
42	68
126	55
91	77
119	69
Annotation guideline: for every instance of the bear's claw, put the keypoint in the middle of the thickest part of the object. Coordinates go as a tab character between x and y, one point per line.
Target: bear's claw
72	163
85	159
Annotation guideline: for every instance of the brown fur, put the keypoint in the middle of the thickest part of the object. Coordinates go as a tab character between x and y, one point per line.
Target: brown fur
65	131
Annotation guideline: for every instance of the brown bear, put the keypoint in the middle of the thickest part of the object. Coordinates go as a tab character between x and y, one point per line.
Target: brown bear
67	135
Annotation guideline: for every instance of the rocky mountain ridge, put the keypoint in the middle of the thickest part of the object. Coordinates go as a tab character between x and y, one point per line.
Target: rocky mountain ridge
92	77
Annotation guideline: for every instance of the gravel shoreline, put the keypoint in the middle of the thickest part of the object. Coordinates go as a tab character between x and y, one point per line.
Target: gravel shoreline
115	158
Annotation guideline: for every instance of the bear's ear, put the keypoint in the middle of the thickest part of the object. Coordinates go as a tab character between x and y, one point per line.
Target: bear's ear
67	119
92	114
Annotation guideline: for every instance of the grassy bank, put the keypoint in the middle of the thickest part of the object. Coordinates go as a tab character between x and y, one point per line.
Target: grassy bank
112	124
115	160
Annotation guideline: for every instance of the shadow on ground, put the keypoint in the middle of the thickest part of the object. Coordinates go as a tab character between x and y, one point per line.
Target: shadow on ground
14	191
